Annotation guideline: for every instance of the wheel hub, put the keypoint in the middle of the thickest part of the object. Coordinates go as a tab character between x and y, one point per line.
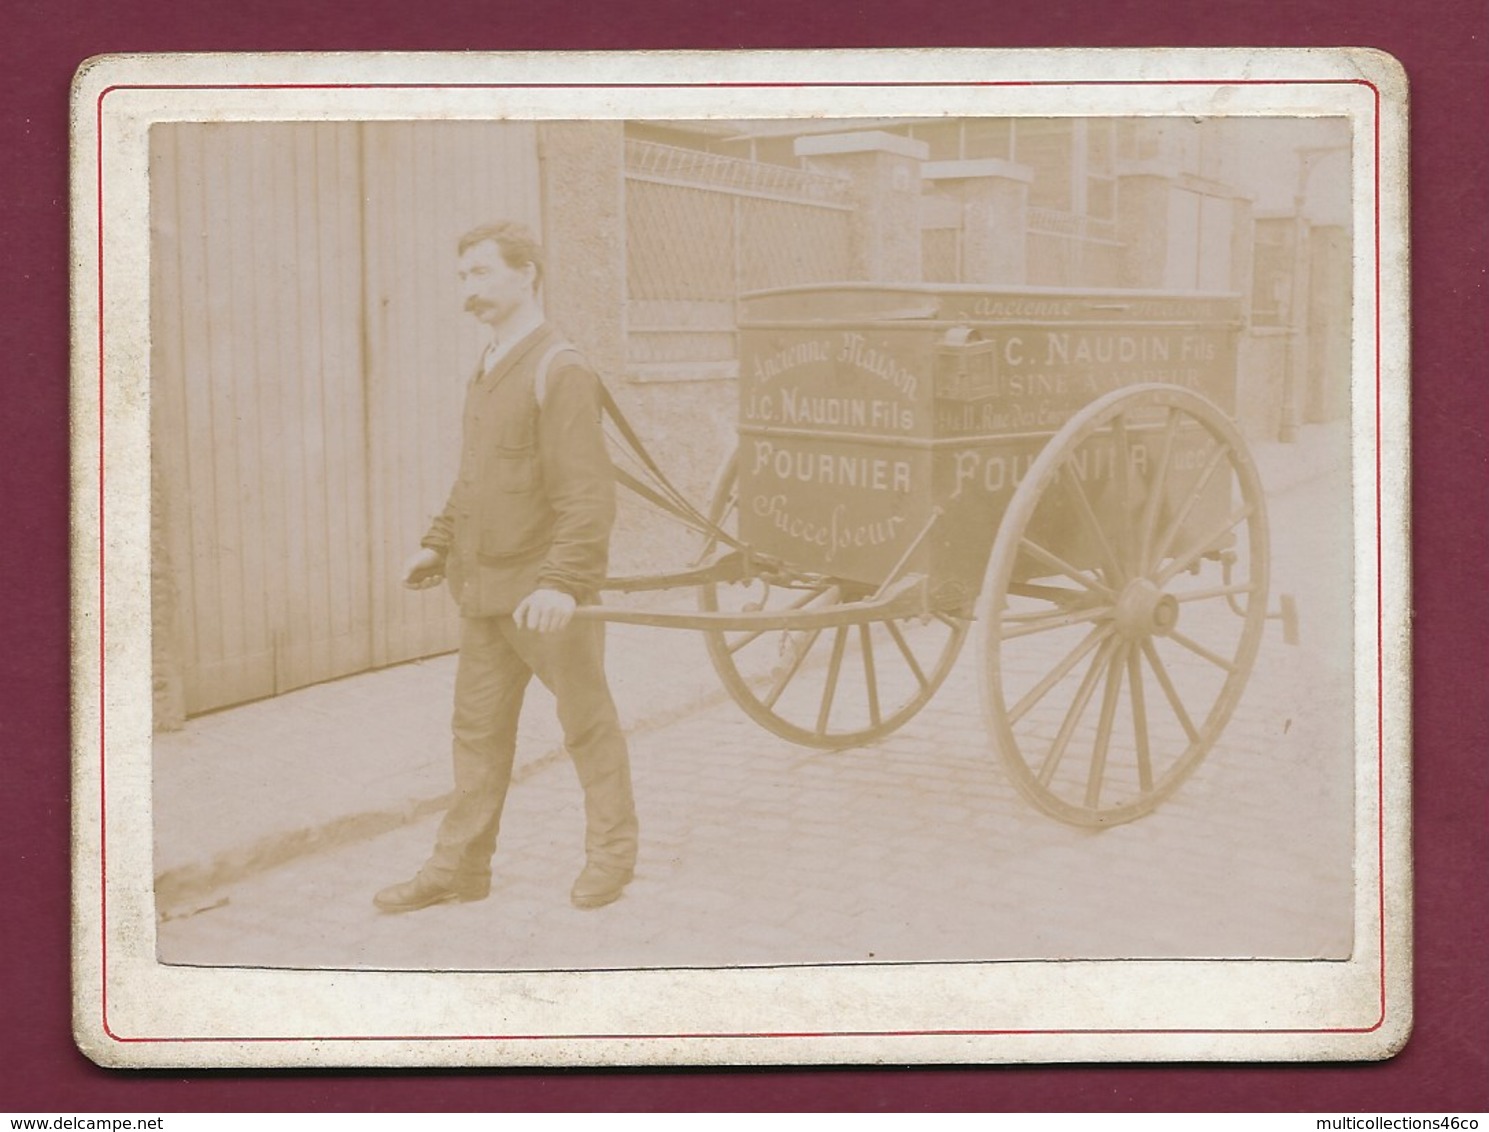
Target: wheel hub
1143	610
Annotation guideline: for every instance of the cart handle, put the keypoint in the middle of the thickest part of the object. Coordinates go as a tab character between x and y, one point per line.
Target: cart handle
905	598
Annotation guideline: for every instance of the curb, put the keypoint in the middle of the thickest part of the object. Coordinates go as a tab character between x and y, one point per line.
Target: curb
185	890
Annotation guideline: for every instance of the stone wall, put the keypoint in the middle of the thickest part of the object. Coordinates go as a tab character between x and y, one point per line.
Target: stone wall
688	427
584	235
1263	355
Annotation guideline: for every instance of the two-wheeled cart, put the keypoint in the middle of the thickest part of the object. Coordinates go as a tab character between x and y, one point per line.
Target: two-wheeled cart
1057	472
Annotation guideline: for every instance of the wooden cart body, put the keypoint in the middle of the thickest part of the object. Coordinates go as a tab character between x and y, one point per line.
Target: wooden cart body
864	409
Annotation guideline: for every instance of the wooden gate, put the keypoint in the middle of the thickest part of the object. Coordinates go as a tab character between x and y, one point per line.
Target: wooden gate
308	359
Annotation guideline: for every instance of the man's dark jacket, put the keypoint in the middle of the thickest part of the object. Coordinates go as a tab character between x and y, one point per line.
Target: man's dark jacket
534	500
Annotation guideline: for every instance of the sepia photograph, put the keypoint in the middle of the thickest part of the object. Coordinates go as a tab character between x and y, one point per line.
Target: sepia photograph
614	563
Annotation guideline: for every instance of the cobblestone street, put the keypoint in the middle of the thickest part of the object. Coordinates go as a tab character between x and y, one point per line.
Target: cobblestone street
917	848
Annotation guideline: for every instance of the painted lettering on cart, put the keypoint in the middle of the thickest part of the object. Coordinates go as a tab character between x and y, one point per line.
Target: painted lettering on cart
1072	366
996	472
840	531
1088	347
858	353
828	469
768	367
851	348
788	405
1001	416
989	307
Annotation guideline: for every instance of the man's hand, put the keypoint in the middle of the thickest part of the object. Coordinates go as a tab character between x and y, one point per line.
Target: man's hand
546	611
423	570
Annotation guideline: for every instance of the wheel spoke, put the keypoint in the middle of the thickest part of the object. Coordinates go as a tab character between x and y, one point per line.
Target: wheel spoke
1200	483
1104	725
1122	473
1045	622
1088	517
1202	545
1074	712
1156	663
789	673
904	647
1139	722
871	682
1200	650
1096	636
1055	562
1156	493
834	666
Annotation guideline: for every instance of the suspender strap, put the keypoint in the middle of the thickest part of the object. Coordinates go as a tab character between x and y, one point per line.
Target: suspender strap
545	363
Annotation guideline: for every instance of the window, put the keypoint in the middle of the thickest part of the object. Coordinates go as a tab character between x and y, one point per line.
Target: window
987	137
1045	145
1101	182
943	139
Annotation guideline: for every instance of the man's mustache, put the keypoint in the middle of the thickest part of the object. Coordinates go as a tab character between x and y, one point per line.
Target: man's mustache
476	306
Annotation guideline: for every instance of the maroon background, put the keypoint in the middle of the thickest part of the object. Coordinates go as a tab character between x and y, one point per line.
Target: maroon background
1445	1067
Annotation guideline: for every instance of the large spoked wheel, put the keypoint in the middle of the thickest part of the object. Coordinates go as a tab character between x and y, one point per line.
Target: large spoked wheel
1124	604
830	688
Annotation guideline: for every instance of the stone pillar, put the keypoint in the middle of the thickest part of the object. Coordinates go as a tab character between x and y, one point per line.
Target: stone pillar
584	237
1143	198
995	216
884	170
1251	353
1329	322
1296	383
1243	252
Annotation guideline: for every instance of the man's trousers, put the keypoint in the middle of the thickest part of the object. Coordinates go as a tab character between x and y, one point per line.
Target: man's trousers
497	661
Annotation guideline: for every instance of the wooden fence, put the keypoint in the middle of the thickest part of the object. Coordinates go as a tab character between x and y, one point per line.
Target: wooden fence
308	362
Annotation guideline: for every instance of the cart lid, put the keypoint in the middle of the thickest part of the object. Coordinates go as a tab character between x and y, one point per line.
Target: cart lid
972	302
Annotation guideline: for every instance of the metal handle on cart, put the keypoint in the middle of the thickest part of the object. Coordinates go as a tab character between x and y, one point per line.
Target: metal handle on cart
1287	613
1287	605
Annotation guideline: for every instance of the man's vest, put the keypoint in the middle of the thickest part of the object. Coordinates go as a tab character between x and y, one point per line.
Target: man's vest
502	518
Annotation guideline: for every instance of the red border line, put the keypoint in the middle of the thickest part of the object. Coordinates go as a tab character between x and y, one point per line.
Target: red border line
102	622
103	825
745	1035
1380	616
843	85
